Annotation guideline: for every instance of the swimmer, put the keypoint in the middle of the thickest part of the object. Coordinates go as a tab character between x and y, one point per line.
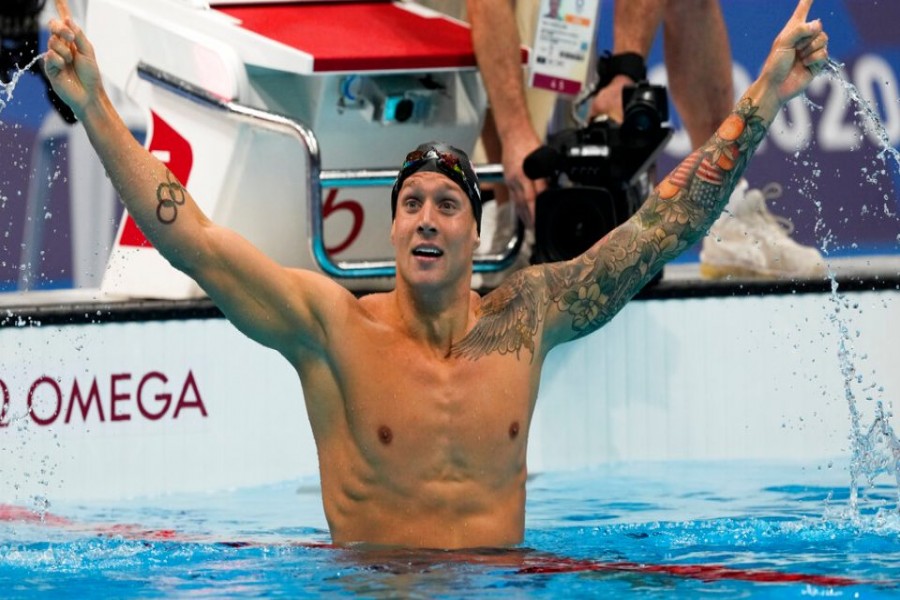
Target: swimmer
421	398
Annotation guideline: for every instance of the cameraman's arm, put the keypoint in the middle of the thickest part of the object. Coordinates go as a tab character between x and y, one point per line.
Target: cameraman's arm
635	24
497	49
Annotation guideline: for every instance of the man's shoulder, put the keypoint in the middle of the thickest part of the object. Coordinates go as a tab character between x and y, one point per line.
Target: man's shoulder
331	303
520	290
375	307
508	318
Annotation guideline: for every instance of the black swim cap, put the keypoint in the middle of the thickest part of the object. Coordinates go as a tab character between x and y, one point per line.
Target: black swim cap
446	160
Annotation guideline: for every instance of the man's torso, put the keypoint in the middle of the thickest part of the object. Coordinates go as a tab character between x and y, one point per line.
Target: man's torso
418	448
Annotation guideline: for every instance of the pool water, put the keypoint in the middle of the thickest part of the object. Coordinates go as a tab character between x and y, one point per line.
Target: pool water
654	529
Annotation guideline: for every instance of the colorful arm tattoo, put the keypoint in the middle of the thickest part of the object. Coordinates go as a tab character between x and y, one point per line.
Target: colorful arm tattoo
590	289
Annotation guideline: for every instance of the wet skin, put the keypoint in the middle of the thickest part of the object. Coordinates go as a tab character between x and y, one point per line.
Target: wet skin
418	446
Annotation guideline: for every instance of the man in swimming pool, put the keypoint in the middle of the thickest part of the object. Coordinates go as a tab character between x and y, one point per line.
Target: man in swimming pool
420	399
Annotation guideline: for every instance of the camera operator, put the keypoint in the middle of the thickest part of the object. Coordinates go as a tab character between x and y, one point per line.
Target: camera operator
698	59
522	116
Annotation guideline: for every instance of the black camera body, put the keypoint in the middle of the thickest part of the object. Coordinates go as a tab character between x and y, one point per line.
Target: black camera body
598	176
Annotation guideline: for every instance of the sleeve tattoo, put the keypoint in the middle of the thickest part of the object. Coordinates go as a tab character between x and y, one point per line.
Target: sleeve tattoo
590	289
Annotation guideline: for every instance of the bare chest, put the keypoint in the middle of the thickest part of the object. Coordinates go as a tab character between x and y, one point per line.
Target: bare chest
446	416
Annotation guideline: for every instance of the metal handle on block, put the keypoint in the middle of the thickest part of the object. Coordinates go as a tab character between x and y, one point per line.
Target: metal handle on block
318	179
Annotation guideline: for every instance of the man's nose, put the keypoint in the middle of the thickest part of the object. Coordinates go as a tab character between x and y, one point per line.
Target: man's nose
426	220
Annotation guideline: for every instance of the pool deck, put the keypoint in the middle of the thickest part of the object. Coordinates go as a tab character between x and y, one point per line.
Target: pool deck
683	280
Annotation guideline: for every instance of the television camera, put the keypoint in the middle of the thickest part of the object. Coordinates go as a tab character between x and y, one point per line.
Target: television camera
598	175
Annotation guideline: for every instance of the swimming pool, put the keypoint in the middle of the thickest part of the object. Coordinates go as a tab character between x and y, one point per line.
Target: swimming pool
690	528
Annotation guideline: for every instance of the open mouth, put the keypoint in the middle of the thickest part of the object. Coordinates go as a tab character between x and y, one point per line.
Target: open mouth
427	252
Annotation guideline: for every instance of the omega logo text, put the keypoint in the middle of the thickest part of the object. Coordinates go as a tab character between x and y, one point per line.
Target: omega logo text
123	397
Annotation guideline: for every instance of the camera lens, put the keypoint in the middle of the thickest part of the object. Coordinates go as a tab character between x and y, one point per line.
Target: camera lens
641	120
642	114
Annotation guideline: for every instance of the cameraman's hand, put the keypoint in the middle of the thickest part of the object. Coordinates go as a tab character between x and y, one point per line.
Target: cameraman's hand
522	189
608	101
70	64
798	54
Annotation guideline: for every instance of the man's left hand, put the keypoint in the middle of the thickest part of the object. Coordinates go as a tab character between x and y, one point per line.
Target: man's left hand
798	54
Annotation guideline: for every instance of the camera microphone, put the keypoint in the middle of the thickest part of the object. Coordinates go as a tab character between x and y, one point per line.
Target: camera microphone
543	162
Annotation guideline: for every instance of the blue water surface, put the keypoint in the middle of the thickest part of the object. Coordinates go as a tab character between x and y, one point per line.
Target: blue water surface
656	530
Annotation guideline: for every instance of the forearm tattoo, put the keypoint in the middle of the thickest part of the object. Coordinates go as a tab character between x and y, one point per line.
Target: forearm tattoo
169	196
589	290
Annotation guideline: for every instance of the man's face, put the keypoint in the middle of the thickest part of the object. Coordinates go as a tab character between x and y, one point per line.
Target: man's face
434	232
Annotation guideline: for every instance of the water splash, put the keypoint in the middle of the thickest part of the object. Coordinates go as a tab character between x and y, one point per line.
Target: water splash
871	121
39	502
875	448
7	89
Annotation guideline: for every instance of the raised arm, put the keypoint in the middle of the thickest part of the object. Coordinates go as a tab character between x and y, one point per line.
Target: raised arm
558	302
278	307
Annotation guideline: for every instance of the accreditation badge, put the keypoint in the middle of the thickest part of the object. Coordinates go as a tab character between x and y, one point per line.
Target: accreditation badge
562	44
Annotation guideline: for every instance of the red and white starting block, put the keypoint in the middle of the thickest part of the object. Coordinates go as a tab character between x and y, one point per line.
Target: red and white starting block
287	121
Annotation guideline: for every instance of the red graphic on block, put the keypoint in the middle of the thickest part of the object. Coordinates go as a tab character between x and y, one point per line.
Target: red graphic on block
356	211
180	160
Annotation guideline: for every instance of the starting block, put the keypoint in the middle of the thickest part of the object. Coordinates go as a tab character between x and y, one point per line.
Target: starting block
287	122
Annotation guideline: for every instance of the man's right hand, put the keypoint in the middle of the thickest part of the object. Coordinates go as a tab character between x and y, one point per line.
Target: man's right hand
71	66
